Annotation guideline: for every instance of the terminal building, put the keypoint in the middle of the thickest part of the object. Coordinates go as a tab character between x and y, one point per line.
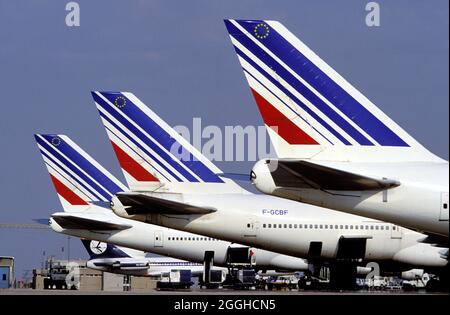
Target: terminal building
6	272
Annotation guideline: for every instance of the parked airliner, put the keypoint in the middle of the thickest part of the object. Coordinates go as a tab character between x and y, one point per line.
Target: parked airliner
176	186
335	148
121	260
85	190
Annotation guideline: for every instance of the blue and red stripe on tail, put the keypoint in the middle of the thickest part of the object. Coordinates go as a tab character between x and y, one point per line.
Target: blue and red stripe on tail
77	177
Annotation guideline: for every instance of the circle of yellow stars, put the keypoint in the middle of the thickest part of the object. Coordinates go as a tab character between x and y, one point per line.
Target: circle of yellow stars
56	141
257	29
120	101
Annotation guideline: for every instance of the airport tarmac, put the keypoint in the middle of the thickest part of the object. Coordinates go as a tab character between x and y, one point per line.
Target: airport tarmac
215	292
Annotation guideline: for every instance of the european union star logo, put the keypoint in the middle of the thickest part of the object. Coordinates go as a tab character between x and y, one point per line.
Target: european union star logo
261	31
120	101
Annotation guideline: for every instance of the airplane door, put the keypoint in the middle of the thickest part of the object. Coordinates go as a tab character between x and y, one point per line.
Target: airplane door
159	239
444	207
396	232
251	228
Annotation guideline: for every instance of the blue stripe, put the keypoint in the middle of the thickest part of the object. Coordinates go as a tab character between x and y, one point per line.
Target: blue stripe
293	111
327	87
137	144
163	138
300	87
57	162
68	178
294	98
147	141
74	169
101	178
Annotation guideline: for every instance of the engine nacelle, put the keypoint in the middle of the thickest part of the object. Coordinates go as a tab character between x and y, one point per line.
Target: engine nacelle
422	255
261	177
412	274
134	265
125	265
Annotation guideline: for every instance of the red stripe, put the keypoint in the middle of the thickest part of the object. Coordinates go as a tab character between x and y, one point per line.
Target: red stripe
132	167
280	123
67	194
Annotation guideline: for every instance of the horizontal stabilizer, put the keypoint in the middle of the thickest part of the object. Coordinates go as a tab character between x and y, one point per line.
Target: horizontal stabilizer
303	174
135	203
79	223
236	176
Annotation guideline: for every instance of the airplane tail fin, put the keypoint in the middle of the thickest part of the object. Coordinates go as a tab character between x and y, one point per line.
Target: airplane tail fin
98	249
78	179
152	155
310	111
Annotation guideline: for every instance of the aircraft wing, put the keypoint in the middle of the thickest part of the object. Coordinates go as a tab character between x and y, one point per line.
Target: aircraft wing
304	174
436	240
84	223
135	203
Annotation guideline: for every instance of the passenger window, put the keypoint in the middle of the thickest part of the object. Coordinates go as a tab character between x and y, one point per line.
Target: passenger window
290	226
321	226
280	226
346	227
315	226
264	226
285	226
377	227
270	225
371	227
295	226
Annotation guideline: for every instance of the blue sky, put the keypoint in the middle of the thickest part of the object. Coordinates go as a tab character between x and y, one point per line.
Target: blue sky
176	57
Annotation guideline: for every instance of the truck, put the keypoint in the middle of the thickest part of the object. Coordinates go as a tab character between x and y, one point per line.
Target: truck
176	279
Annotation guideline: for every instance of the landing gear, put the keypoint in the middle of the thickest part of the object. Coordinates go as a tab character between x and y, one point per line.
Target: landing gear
439	285
343	276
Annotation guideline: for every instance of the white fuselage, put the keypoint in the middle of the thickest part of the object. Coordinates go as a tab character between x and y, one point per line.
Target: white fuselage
146	266
420	202
173	243
295	229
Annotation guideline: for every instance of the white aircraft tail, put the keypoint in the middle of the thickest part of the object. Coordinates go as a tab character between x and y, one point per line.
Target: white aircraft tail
152	155
78	179
98	249
310	111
